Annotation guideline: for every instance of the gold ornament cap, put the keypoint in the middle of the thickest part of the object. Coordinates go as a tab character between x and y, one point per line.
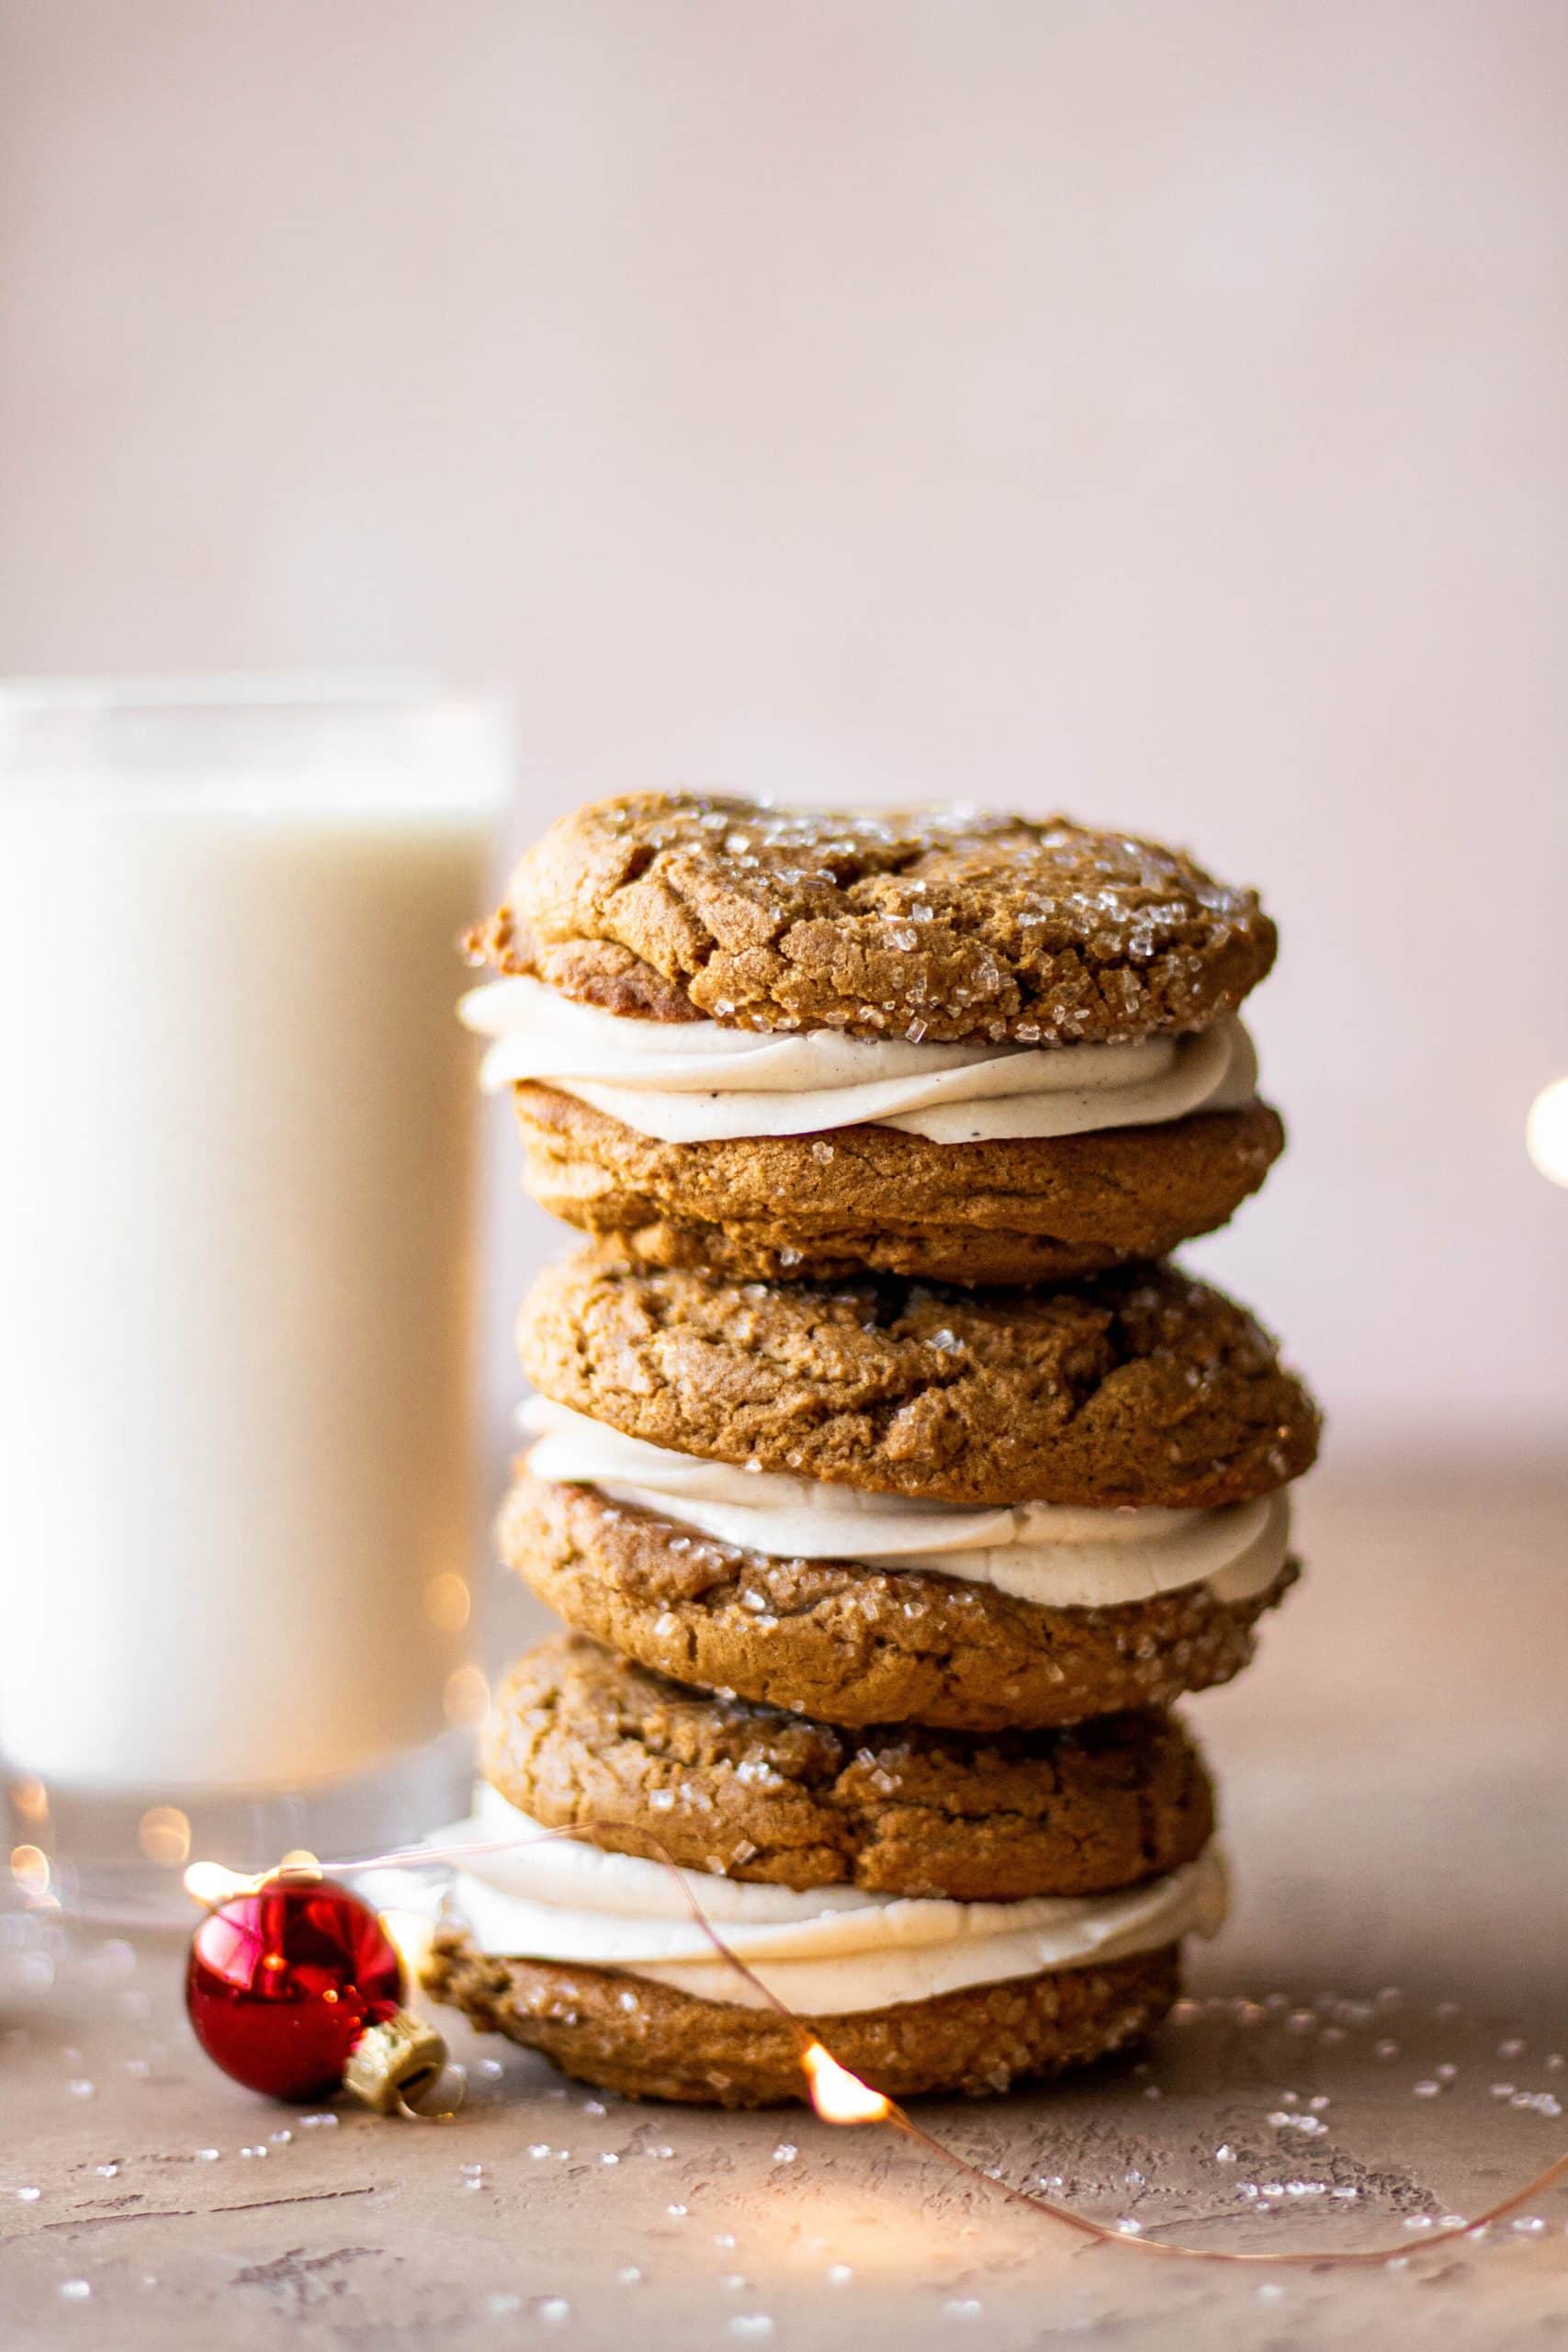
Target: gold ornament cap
392	2063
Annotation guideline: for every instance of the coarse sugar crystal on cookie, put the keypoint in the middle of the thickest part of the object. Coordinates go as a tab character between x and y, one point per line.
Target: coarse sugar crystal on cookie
969	1046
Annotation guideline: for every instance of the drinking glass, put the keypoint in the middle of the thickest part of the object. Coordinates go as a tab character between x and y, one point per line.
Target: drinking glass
236	1210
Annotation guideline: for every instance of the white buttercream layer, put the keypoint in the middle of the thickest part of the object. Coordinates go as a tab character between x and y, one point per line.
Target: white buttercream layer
1051	1554
696	1081
824	1952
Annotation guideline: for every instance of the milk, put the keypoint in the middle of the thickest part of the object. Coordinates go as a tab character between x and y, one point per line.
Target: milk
234	1240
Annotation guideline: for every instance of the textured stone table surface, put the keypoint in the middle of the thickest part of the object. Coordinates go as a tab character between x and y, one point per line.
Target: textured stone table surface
1379	2039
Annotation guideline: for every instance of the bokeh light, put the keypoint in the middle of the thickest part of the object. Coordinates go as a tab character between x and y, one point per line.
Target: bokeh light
447	1603
29	1868
467	1697
29	1798
1546	1131
164	1834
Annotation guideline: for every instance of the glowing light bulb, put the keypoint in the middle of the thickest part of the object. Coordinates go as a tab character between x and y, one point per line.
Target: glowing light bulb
213	1882
1546	1131
838	2095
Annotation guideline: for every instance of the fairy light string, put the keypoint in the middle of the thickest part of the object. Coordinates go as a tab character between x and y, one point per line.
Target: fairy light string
840	2096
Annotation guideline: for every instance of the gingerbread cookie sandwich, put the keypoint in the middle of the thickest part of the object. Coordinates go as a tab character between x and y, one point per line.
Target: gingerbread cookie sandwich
975	1048
886	1500
944	1915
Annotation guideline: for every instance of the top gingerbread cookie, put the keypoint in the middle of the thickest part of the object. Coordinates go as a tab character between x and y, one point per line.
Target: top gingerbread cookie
940	923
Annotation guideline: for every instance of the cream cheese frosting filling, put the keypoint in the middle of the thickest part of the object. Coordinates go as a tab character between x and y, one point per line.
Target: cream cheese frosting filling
696	1081
1054	1555
825	1952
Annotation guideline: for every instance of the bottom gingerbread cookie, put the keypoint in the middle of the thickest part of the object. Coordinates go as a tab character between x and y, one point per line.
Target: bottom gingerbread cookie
644	2040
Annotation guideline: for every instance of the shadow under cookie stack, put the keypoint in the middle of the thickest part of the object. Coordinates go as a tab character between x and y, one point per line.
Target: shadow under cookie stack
890	1483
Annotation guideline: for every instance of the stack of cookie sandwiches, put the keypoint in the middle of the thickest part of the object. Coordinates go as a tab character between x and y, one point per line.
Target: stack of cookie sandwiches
890	1483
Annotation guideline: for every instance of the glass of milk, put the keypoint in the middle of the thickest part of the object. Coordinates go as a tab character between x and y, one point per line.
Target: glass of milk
236	1211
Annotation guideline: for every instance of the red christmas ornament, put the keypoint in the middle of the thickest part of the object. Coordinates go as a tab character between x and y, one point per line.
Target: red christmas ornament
295	1988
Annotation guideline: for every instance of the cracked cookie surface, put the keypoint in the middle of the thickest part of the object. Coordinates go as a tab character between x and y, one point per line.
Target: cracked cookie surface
938	923
584	1740
1139	1386
846	1643
873	1199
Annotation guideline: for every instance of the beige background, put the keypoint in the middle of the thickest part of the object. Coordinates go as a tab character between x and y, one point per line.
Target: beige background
1153	410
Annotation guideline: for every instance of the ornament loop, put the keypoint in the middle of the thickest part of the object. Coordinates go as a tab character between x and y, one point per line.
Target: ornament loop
392	2063
414	2113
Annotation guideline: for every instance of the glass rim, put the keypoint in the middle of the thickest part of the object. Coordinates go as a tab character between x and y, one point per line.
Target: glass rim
241	691
335	740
